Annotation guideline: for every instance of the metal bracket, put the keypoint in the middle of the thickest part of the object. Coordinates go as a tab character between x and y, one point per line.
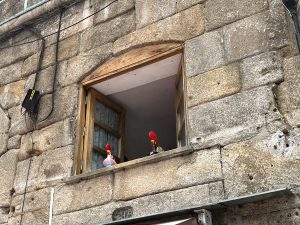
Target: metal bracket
204	217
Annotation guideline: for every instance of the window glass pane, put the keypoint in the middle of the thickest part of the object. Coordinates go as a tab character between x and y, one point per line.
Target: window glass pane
114	142
107	116
97	136
102	137
97	160
101	113
113	119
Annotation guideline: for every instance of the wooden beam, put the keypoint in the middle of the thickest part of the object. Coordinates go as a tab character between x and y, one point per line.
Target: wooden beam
79	132
133	59
107	128
89	133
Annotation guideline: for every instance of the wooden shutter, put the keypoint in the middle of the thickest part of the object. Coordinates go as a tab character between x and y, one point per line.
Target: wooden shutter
105	123
180	109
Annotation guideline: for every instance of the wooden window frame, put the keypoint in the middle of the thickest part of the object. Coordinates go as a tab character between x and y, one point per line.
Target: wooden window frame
126	62
180	102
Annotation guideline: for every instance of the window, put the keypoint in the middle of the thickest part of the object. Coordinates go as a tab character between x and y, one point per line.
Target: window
122	100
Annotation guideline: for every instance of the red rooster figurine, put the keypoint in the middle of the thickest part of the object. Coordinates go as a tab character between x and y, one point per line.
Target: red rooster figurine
153	139
109	161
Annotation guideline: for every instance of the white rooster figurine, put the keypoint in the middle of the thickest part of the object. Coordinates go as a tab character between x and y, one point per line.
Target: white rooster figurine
109	161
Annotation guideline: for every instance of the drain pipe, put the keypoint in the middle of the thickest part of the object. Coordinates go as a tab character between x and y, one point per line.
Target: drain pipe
36	12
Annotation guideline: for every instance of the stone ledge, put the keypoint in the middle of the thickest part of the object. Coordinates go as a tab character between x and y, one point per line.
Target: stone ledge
131	164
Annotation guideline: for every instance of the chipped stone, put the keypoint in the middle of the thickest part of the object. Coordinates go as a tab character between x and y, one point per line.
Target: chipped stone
256	169
280	143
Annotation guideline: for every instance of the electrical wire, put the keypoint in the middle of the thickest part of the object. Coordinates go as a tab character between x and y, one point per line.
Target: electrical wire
65	28
25	190
56	65
41	57
33	120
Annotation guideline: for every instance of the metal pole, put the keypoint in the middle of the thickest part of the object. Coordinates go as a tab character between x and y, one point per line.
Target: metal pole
51	206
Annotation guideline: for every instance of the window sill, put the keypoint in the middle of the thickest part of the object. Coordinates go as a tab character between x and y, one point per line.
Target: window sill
130	164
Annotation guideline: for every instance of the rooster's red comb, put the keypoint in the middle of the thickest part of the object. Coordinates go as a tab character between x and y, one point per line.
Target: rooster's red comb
107	147
152	136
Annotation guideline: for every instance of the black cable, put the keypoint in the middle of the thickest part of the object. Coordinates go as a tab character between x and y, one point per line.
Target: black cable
48	35
56	65
26	183
33	119
41	57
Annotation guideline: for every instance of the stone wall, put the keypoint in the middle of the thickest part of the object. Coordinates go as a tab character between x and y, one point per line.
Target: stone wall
243	110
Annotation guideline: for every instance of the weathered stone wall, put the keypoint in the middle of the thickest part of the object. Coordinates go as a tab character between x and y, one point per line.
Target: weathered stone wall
243	110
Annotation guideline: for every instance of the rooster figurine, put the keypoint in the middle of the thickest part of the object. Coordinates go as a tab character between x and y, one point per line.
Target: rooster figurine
153	139
109	161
